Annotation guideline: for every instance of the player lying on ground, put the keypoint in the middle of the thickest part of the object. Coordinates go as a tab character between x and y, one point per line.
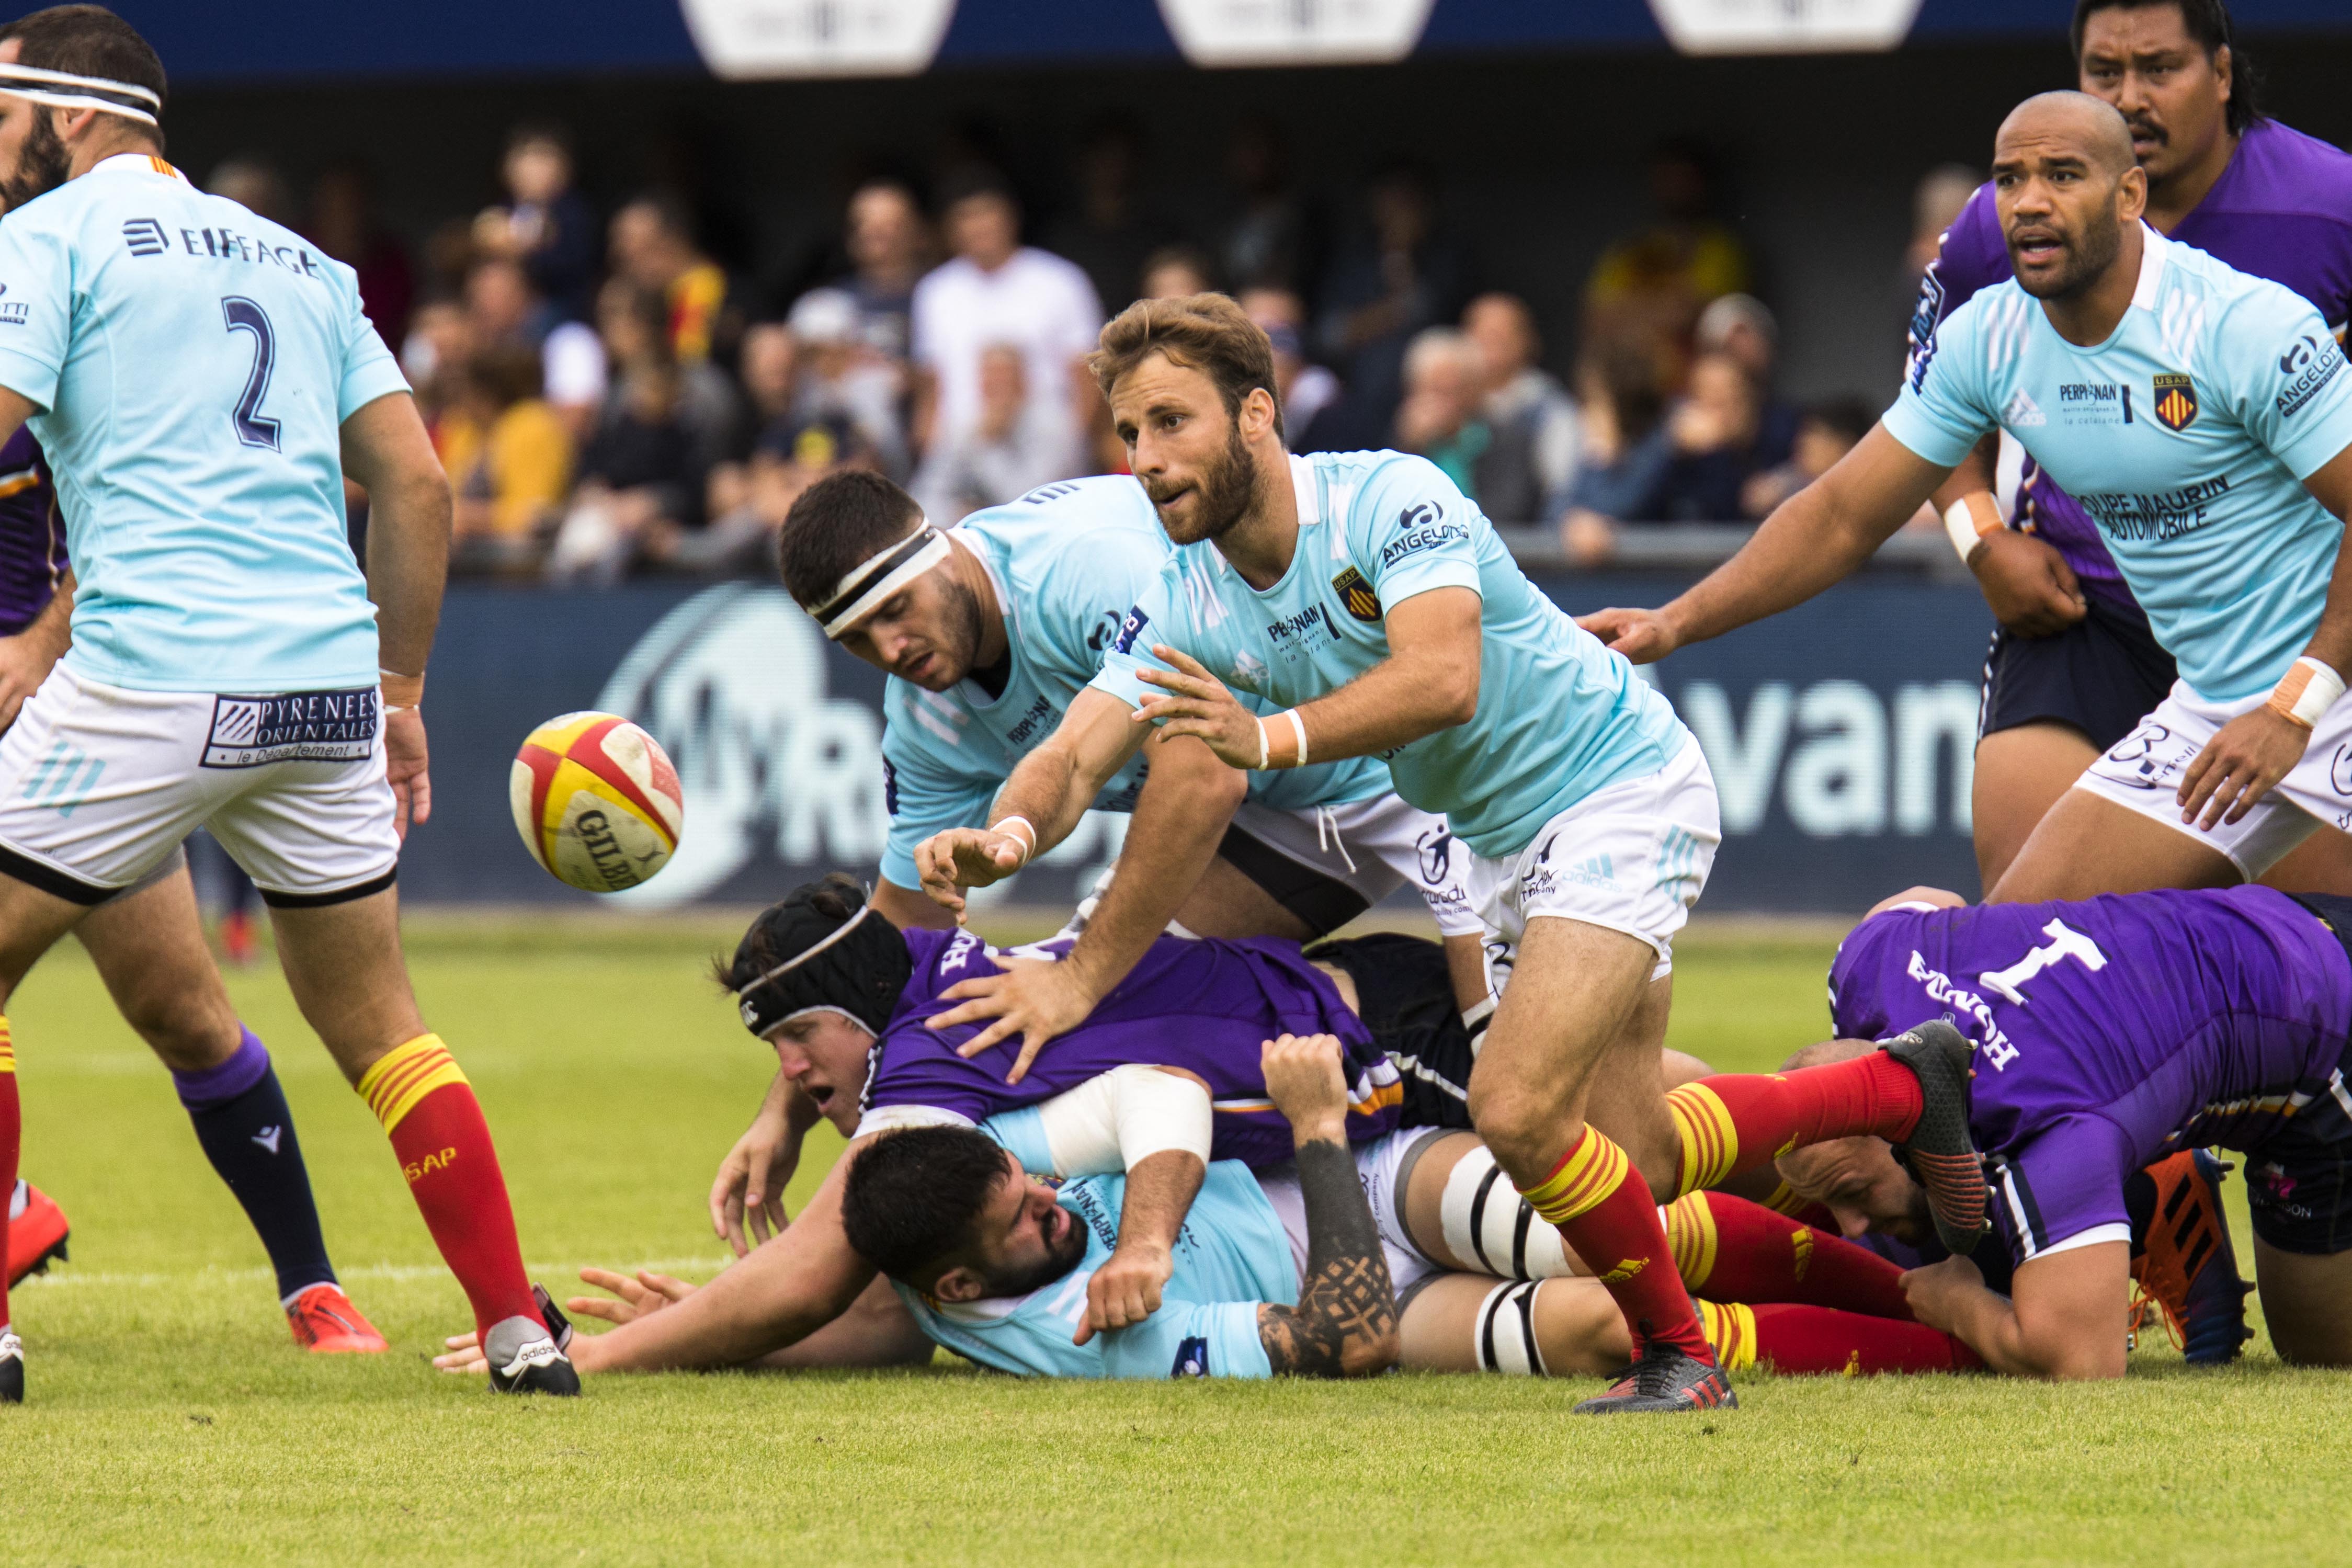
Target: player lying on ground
2075	665
202	381
1368	601
2107	1033
988	631
844	999
993	1264
2220	473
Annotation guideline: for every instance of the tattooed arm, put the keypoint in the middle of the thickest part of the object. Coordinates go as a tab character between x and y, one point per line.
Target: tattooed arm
1345	1325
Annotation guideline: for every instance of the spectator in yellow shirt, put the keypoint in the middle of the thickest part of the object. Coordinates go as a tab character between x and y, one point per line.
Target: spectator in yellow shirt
511	461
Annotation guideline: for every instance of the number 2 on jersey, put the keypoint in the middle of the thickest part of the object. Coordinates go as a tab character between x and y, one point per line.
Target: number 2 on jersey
253	427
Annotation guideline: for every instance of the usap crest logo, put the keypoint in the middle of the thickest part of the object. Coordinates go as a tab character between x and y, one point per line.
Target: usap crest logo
1356	595
2175	401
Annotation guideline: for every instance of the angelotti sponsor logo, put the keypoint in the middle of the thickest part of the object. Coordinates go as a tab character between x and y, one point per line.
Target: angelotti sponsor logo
746	38
735	684
1770	26
1259	32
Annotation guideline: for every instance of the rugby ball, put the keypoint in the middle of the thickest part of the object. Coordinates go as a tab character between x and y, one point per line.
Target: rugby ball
596	801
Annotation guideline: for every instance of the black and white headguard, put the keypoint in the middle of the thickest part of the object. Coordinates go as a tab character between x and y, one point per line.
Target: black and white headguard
863	586
856	967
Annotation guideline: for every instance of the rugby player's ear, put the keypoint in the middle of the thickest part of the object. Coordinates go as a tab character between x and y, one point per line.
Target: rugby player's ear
2131	194
958	1284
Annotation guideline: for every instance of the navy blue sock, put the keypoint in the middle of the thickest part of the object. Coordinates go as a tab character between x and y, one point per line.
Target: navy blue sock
248	1132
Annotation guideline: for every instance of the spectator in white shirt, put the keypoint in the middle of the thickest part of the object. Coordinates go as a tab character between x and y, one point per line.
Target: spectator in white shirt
997	291
840	377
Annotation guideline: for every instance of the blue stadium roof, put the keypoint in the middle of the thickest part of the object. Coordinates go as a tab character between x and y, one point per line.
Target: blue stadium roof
207	41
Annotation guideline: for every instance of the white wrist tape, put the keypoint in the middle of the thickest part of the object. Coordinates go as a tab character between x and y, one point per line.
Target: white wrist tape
1298	739
1021	828
2308	689
1968	520
1117	1120
1264	757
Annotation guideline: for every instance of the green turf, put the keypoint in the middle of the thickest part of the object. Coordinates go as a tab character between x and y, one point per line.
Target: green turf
174	1421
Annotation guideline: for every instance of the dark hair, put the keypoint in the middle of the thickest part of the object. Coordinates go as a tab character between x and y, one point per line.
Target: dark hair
528	132
2207	22
1849	418
90	40
839	522
836	896
1207	332
671	211
911	1198
506	373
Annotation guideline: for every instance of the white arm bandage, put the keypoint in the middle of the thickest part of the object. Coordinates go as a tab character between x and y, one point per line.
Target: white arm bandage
1114	1121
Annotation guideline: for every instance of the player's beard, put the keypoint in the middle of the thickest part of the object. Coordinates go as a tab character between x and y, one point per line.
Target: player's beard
41	167
2090	251
1221	495
959	636
1061	1257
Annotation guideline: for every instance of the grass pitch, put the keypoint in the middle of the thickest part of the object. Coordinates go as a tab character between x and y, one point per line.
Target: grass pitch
173	1419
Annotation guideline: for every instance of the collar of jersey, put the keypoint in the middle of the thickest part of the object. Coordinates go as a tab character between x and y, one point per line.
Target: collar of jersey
978	696
137	164
2155	253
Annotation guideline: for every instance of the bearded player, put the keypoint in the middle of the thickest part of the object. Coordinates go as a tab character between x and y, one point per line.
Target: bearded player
227	667
2075	665
1368	601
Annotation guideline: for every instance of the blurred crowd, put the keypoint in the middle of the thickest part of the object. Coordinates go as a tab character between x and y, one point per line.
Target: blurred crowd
611	401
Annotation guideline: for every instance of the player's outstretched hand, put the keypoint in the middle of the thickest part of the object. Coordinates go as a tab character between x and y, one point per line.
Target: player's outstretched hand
2238	767
1125	1290
405	766
2028	584
1197	704
1306	1084
746	1196
1032	998
1643	635
948	863
631	1298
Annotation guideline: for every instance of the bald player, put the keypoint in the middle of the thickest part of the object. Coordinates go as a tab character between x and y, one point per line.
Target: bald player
2201	417
2072	664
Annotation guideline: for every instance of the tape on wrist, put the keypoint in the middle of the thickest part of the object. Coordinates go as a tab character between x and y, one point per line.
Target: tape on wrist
401	690
1027	835
2309	690
1265	756
1969	519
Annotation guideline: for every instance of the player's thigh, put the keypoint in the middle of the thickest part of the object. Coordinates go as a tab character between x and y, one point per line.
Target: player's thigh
2020	774
2320	864
2307	1304
2087	844
1576	990
1226	903
148	944
343	963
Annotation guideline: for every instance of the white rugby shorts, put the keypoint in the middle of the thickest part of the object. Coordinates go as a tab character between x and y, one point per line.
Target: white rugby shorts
100	785
2143	772
1630	857
1329	863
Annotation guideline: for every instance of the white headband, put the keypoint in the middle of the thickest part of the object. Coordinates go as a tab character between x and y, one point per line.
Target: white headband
96	92
788	965
875	578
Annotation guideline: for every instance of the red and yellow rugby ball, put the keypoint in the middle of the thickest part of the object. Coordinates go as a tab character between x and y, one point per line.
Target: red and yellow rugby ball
596	801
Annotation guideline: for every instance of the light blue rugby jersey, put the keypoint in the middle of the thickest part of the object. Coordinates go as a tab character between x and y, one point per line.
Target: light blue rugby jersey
2186	436
192	364
1067	560
1232	1256
1560	716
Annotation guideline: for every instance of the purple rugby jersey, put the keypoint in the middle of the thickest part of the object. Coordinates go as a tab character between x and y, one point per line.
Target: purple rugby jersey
2109	1032
32	534
1205	1006
2281	210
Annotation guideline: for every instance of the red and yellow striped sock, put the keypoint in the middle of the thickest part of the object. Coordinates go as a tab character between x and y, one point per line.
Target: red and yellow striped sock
1735	1122
435	1125
12	1127
1729	1249
1603	1208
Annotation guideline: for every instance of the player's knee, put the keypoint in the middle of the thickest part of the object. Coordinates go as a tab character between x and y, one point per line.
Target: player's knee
1521	1123
187	1034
